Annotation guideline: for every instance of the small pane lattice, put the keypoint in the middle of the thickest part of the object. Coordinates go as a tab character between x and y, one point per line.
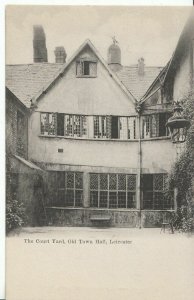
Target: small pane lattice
131	182
70	180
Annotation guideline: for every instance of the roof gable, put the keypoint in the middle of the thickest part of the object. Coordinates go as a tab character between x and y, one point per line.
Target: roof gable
64	68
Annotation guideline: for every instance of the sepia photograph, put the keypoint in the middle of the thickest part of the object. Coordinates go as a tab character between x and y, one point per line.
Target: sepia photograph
99	152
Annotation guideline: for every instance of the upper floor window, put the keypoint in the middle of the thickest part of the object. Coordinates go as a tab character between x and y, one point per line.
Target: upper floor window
86	68
48	123
155	125
80	126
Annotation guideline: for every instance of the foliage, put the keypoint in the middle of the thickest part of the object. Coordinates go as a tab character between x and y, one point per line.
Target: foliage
15	214
182	174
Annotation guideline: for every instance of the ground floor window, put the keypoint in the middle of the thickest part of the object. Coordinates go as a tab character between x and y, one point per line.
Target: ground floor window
70	189
113	190
154	187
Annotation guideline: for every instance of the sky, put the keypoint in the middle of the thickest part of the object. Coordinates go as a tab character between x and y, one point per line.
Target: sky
149	32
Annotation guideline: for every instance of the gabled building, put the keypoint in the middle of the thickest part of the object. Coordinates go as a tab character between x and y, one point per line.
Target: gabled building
103	145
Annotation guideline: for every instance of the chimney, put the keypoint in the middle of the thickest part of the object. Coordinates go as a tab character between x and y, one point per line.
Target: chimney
39	44
60	55
141	66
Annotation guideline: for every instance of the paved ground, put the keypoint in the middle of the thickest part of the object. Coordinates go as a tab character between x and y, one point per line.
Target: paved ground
52	263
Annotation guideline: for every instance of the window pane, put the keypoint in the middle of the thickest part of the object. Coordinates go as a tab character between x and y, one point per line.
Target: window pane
78	181
84	126
97	133
103	127
86	68
158	182
114	127
103	181
123	128
147	200
112	200
131	182
131	128
68	125
154	125
60	124
103	199
69	198
131	201
70	179
121	199
112	181
94	181
78	198
121	182
158	200
44	122
94	199
77	126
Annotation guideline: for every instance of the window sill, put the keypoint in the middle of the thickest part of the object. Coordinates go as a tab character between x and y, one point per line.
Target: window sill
92	208
86	76
103	140
156	138
84	138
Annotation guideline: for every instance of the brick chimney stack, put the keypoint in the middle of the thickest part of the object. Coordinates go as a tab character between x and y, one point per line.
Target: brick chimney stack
39	44
60	55
141	66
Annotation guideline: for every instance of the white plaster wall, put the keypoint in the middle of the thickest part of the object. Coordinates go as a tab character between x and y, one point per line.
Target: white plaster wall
100	95
158	155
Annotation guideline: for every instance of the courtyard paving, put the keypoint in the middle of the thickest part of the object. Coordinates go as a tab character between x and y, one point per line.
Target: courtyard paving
57	263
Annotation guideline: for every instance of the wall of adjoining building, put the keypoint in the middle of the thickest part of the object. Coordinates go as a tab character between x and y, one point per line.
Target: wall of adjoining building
12	108
182	78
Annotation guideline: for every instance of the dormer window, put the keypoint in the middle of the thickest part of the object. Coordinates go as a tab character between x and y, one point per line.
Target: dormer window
86	68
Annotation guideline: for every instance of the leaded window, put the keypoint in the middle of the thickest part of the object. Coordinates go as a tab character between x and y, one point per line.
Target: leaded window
70	189
48	124
155	125
154	188
101	127
113	190
75	126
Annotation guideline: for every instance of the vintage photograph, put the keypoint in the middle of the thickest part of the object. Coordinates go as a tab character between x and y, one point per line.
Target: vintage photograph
99	152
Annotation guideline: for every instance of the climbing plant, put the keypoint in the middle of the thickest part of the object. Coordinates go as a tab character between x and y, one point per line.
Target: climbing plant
182	173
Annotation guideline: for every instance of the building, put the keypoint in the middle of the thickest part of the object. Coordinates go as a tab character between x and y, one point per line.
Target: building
97	129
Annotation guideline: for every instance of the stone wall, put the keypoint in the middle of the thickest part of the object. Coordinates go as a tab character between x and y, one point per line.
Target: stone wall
119	218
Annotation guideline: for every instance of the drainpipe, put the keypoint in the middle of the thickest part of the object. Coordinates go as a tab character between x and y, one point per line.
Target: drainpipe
139	168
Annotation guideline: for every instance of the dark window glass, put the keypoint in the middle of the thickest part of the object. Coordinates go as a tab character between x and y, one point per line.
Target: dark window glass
114	128
60	124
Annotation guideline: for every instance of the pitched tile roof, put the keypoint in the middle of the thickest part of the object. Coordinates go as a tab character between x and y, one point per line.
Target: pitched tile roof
135	83
25	81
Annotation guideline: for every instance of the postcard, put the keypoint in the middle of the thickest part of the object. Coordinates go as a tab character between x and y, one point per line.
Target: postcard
99	152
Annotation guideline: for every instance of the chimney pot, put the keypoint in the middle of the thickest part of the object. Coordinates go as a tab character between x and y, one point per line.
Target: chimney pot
60	55
141	66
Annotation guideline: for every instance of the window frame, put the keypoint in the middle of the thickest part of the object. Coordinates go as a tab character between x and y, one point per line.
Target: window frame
66	189
81	73
110	191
